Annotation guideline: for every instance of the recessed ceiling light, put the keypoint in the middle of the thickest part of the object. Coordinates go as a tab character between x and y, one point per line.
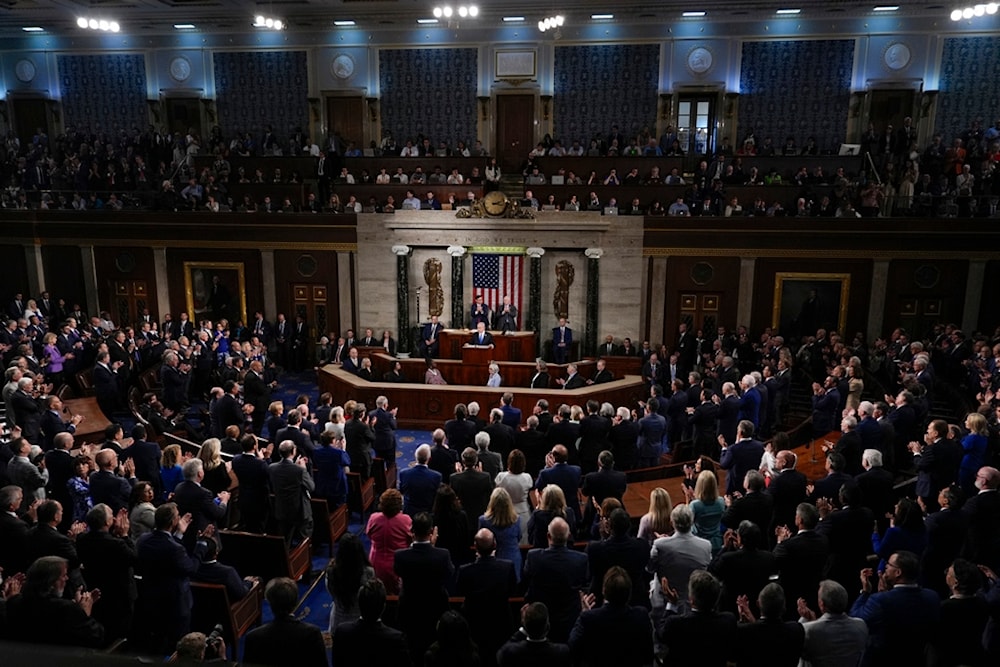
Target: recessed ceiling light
886	8
183	26
602	17
344	23
788	11
691	15
513	19
426	21
33	28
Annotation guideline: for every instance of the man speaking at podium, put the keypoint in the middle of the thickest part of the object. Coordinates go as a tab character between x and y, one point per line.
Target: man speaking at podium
507	317
482	337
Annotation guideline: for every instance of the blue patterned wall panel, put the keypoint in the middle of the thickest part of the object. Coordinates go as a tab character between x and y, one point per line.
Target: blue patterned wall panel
255	89
103	92
798	89
598	86
430	92
969	84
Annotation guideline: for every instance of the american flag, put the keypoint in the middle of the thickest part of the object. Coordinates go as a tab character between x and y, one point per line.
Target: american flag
497	276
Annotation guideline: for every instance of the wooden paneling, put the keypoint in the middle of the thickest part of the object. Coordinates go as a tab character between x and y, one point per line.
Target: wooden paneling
14	273
309	269
989	316
126	273
921	293
515	129
64	274
719	276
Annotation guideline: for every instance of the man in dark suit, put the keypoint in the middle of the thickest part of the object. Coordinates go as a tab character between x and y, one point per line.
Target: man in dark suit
211	571
557	471
534	445
163	607
501	435
573	378
44	539
784	638
13	531
623	437
107	485
479	312
947	532
192	498
251	471
652	370
903	417
744	566
42	615
652	434
27	410
530	646
511	414
729	412
108	556
443	458
801	557
61	466
360	437
849	446
982	546
425	573
620	550
702	636
487	585
703	420
506	317
741	457
608	348
629	625
481	336
848	531
472	486
52	422
106	384
256	392
430	338
540	380
605	482
419	484
368	641
876	485
294	433
788	488
594	430
384	424
175	383
601	374
936	460
286	640
555	576
460	431
901	616
755	506
829	486
292	485
227	411
145	456
562	342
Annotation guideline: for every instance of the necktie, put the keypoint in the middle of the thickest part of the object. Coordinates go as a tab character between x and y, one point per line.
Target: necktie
562	335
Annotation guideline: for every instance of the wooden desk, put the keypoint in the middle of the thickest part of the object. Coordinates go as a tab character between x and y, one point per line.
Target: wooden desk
513	346
429	406
91	429
636	498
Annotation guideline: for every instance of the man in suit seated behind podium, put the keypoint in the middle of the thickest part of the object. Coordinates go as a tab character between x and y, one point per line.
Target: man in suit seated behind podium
482	336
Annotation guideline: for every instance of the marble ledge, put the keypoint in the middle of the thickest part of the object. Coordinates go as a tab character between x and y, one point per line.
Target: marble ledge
544	221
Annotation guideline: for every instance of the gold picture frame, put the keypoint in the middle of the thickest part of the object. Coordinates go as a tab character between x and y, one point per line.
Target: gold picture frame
805	302
198	281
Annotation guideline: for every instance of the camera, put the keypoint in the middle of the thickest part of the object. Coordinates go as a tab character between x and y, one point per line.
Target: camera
213	643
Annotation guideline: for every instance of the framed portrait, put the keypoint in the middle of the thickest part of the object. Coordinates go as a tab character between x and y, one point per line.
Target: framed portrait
215	290
805	302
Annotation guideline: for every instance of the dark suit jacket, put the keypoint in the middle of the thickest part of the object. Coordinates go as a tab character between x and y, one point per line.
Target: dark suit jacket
699	638
511	416
256	393
28	413
574	382
900	623
623	439
600	377
369	643
849	532
303	443
519	652
426	574
292	485
147	457
801	561
51	425
788	489
200	502
254	482
757	507
226	412
418	485
535	446
742	572
385	427
175	386
729	417
851	447
460	433
108	563
51	621
215	572
739	459
829	486
877	492
285	641
487	338
629	626
540	382
13	544
630	553
487	585
556	576
502	439
983	542
567	477
473	488
110	489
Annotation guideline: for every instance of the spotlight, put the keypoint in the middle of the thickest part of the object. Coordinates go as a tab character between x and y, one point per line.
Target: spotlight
81	22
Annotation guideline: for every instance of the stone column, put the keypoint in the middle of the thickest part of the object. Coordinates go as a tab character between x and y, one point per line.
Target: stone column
876	305
533	322
36	269
593	299
402	253
973	294
269	286
457	253
347	319
90	279
744	305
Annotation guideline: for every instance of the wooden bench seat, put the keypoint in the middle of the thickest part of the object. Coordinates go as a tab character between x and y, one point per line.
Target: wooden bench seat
264	556
328	526
212	606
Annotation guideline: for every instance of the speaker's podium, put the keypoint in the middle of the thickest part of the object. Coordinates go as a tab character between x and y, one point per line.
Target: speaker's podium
477	355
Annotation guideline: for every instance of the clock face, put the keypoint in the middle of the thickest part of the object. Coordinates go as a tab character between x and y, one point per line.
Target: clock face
495	203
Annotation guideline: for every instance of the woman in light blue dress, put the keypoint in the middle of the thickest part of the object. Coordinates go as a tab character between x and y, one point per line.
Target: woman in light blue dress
502	519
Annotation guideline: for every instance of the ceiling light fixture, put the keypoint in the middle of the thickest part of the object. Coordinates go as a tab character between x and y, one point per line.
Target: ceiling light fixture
601	17
464	11
33	28
345	23
692	15
551	23
103	25
786	12
268	23
427	21
886	8
183	26
975	11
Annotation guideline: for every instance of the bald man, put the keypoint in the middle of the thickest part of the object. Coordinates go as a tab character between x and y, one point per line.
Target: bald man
487	586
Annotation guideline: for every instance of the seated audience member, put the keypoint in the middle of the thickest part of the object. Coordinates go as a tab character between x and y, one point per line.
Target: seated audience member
285	640
211	571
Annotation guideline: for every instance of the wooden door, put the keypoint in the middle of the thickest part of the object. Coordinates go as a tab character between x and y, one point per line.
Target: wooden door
699	310
130	298
309	301
345	116
29	115
184	115
515	130
890	107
